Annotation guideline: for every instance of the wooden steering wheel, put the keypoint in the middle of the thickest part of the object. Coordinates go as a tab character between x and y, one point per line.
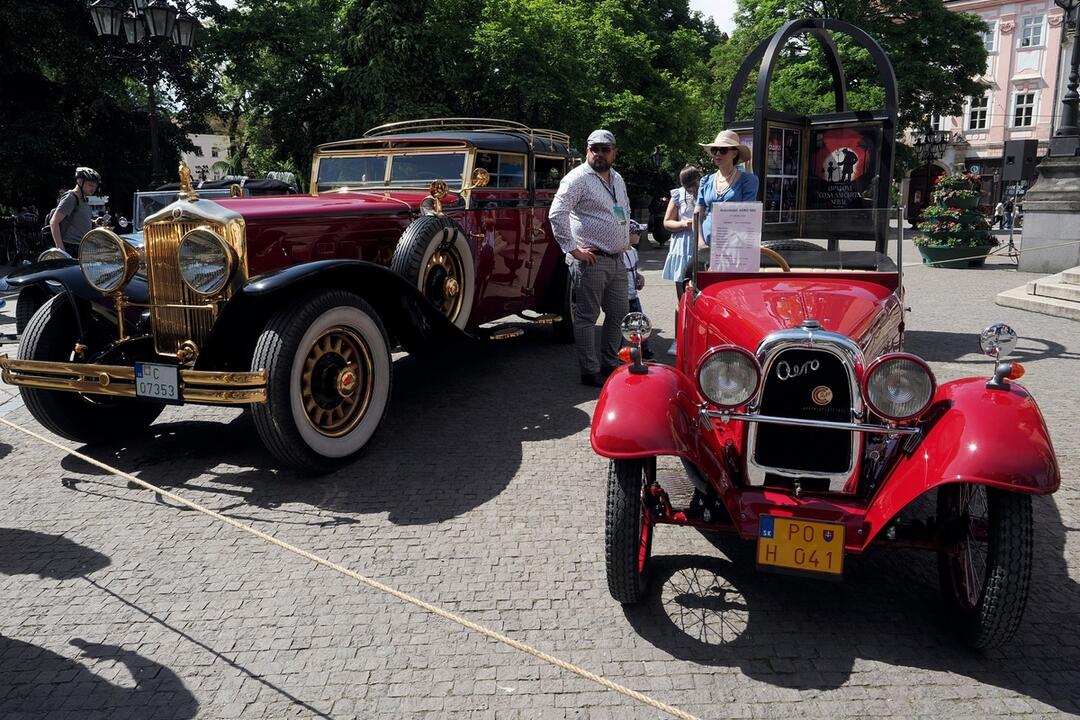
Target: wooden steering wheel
773	255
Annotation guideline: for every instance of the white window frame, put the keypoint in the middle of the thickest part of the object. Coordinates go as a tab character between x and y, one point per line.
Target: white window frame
984	110
990	36
1029	25
1016	106
939	122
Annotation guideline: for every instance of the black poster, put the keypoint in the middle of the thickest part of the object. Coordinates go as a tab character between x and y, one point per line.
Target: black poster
843	180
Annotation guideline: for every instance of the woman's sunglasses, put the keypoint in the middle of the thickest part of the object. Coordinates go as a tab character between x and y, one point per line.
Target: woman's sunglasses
720	150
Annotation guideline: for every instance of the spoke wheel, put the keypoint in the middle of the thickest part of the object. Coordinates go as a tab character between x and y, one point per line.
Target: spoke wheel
337	382
444	276
984	563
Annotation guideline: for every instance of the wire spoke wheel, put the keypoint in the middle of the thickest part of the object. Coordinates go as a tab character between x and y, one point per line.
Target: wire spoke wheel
337	381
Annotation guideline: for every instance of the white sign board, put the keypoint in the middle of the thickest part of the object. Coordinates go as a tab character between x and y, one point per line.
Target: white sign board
736	237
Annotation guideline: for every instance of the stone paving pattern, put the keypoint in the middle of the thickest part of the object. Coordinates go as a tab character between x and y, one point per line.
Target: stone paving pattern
481	495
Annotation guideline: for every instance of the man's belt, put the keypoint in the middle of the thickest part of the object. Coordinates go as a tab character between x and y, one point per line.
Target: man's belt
597	251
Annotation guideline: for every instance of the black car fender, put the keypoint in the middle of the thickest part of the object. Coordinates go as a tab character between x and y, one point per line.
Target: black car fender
407	315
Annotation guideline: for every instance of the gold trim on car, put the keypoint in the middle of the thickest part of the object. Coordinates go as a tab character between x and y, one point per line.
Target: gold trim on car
203	387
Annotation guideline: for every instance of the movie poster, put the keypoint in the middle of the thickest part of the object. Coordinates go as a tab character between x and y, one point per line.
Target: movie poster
843	180
784	163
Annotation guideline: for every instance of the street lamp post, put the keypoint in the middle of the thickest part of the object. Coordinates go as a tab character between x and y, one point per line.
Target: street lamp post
150	27
1066	141
928	145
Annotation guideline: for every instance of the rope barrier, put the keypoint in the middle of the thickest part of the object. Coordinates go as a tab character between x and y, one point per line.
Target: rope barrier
370	582
995	251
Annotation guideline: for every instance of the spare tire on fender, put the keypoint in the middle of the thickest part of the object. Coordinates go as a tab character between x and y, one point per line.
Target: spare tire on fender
434	254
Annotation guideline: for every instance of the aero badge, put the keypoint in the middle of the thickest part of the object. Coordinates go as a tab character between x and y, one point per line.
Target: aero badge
827	535
821	395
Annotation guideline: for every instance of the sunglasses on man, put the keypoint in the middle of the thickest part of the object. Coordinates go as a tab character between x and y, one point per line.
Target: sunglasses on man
600	149
720	150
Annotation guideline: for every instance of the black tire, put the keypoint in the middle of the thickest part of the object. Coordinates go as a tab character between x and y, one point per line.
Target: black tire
782	245
434	255
30	300
563	289
986	599
310	422
627	536
51	335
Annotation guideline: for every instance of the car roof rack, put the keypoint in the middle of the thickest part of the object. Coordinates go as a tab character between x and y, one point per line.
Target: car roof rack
464	124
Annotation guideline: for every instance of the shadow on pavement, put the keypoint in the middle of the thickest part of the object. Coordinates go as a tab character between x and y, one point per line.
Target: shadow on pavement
38	683
952	347
451	441
807	634
25	552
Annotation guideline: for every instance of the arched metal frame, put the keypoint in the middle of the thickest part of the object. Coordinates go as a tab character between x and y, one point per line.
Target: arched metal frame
767	53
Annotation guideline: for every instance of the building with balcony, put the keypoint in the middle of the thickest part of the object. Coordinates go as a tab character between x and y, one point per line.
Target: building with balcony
1025	71
210	159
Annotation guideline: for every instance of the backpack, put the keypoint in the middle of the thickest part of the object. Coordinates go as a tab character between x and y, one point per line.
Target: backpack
46	232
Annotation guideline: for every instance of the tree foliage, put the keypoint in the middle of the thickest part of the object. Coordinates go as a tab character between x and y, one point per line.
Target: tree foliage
937	56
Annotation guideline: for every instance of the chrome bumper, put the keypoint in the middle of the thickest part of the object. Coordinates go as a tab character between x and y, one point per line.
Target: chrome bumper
202	387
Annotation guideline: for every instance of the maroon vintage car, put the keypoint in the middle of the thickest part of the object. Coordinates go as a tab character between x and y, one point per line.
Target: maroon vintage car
803	427
413	234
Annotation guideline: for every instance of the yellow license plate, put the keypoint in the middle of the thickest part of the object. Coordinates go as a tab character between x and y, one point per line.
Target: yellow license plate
800	545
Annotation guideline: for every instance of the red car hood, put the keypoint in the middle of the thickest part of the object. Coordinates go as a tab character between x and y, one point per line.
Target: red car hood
744	311
329	205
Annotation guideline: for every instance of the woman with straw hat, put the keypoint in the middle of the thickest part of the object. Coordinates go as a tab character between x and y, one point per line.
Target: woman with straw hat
728	183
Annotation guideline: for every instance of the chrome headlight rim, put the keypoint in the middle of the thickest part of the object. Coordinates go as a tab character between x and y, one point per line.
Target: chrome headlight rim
127	260
203	232
894	357
635	327
717	350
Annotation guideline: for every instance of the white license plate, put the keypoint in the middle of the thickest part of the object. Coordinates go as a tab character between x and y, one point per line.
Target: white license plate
157	382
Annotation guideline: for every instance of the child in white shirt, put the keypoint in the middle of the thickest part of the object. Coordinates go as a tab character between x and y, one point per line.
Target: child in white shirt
634	280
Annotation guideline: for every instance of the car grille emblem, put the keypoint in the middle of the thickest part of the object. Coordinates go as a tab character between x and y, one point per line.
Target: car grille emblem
822	395
785	371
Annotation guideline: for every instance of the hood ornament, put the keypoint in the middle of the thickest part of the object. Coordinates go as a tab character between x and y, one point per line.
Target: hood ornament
186	191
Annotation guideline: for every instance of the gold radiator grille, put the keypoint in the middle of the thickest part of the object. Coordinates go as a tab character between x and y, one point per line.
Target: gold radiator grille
172	326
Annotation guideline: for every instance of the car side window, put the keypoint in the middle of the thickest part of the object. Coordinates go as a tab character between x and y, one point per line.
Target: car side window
548	172
506	170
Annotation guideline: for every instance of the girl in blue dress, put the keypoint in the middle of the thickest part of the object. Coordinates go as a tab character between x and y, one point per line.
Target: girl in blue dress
679	220
728	183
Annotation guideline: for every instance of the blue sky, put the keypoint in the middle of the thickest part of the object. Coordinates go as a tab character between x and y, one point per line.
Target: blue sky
723	11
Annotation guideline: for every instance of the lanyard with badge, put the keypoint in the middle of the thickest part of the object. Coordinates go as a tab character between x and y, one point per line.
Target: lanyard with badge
616	209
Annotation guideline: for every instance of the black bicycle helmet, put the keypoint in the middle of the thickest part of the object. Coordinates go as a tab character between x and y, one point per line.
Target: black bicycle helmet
85	173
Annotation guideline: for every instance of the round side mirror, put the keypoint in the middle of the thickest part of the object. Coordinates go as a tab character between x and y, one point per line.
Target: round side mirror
997	340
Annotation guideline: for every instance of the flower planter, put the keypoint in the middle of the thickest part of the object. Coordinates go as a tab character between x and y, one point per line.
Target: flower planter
963	203
954	257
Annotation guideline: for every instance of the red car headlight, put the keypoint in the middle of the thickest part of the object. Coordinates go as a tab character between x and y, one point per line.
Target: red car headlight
898	386
728	376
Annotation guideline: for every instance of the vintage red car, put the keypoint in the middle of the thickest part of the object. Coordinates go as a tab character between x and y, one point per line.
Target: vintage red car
416	233
805	428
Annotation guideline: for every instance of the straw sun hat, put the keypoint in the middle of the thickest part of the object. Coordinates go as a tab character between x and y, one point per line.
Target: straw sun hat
729	138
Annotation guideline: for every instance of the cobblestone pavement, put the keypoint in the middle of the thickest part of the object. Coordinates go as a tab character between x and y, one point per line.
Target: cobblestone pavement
481	495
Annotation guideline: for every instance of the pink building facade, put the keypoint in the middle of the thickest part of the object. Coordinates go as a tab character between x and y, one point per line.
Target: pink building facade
1024	41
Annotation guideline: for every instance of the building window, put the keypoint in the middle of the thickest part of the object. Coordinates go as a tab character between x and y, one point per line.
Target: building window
1023	109
990	36
939	122
214	152
978	113
1031	31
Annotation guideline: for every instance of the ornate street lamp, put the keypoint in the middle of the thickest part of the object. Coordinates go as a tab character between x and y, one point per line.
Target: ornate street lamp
1066	140
927	145
150	26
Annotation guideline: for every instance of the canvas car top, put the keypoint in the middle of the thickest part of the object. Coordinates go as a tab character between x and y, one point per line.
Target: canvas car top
502	140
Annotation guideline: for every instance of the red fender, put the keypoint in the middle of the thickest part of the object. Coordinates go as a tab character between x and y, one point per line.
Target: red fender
990	437
654	414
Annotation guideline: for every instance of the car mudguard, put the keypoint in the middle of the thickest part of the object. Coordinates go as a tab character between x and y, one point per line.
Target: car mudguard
989	437
401	306
655	413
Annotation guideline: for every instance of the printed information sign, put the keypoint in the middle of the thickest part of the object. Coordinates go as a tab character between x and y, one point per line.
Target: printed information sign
736	237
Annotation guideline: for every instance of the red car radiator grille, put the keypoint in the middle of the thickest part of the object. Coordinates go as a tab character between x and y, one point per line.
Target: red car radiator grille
172	325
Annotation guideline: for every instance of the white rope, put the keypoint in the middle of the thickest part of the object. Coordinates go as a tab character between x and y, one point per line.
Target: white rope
995	251
375	584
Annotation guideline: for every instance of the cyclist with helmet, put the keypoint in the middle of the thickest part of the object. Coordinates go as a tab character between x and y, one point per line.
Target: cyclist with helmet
71	219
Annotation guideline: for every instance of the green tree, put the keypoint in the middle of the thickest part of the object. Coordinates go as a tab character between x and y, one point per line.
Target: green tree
937	56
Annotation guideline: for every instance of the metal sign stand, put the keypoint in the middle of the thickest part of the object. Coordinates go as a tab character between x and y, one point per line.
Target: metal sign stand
1012	252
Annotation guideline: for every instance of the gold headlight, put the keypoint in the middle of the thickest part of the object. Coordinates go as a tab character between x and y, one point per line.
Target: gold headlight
206	261
108	263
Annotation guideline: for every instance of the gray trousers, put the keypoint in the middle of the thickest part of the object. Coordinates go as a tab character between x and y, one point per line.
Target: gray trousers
598	287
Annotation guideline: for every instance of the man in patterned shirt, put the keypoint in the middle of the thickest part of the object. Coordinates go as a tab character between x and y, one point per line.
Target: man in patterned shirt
590	219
